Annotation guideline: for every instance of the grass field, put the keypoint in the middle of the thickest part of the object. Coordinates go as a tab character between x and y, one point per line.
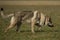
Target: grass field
46	32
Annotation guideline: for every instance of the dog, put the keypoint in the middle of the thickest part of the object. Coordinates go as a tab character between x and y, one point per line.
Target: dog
33	17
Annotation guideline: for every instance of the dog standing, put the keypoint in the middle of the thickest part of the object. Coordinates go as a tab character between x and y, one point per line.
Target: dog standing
19	17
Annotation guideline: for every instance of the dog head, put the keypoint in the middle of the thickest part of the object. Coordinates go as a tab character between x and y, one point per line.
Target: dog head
49	22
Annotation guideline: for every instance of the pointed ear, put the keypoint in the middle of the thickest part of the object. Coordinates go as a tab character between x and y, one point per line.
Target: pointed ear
1	9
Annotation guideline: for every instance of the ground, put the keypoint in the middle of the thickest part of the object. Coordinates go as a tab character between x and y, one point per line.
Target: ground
46	33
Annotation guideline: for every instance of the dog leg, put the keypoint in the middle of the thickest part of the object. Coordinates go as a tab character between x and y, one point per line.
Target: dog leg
33	20
32	26
12	24
18	25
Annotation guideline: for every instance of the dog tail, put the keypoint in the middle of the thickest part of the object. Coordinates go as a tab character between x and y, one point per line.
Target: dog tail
5	16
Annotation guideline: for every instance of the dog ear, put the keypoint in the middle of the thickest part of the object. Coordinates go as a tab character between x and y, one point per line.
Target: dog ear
1	9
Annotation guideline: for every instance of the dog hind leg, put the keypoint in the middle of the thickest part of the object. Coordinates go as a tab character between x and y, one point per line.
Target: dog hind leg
18	26
12	23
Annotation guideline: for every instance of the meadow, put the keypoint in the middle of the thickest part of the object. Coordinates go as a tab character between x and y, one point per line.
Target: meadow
46	33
